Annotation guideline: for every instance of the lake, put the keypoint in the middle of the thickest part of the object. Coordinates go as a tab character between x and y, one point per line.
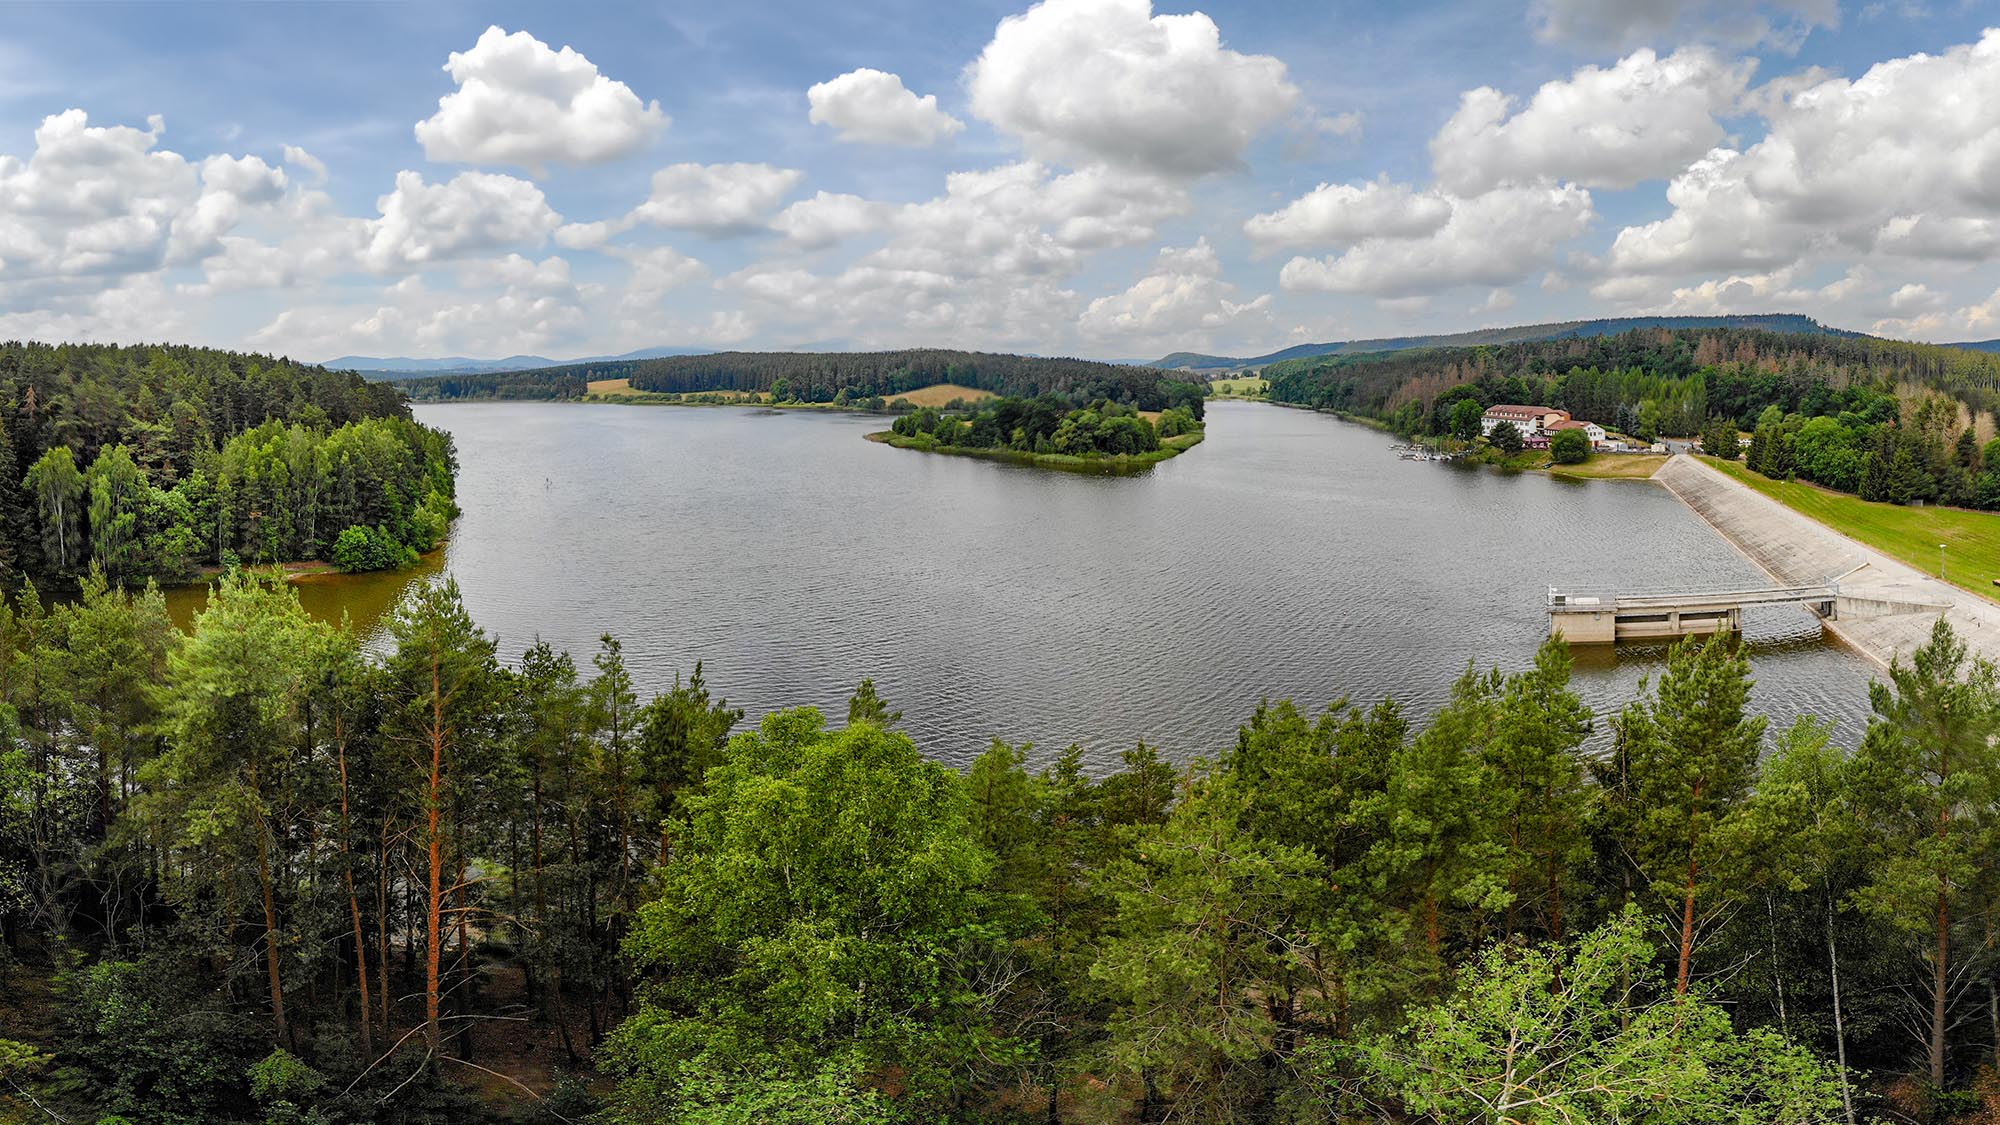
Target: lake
1291	554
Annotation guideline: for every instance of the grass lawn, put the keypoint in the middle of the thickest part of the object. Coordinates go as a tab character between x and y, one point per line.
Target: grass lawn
1972	539
1240	388
1614	466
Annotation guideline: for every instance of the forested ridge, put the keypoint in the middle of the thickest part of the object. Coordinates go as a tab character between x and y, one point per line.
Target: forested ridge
1884	419
1566	329
821	376
254	873
152	461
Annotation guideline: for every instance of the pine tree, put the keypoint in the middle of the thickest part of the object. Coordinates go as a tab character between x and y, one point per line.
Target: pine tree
442	685
1538	797
1926	778
1692	755
16	551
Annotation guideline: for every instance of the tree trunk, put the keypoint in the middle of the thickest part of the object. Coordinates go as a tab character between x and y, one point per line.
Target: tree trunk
1839	1020
1940	989
382	922
434	855
1687	933
272	937
354	902
1777	976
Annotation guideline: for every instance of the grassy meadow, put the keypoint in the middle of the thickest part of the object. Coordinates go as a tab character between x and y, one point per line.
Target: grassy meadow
1971	539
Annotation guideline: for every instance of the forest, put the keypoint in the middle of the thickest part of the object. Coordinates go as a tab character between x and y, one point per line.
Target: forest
1883	419
256	873
821	376
1049	424
154	462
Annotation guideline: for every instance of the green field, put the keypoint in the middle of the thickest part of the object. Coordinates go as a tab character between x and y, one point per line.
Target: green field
1972	539
1240	388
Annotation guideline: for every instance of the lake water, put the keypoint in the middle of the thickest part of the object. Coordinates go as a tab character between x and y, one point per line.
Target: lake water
1291	554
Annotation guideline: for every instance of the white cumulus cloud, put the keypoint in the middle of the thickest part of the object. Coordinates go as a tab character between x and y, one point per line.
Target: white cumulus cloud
874	107
716	199
1645	117
1107	81
423	223
1904	160
522	104
1184	300
1495	239
1333	215
831	217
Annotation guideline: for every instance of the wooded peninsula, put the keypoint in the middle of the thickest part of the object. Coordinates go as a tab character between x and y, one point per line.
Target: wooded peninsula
156	462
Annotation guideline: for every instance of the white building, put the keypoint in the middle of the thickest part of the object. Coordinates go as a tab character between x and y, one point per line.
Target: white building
1591	430
1527	419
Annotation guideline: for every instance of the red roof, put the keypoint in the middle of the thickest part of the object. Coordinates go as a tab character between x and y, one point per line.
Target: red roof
1507	409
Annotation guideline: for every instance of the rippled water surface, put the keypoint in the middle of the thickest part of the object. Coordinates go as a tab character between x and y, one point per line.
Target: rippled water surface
1289	555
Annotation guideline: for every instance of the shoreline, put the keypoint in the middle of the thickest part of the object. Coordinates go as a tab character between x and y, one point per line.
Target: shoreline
1122	464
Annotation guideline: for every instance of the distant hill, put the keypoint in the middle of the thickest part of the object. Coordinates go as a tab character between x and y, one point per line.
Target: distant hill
1568	329
821	376
1682	377
1978	345
384	369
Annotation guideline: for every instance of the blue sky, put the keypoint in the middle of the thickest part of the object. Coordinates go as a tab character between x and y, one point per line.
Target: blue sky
1096	177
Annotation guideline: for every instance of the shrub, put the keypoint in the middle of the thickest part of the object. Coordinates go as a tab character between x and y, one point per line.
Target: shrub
369	548
1570	447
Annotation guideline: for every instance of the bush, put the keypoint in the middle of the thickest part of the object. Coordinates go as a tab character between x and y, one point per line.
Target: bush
369	548
1570	447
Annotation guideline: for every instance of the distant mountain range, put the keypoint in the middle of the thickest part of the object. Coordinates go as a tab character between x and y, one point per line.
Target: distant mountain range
1978	346
1776	322
390	368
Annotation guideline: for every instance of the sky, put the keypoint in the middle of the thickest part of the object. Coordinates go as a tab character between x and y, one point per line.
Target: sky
1106	178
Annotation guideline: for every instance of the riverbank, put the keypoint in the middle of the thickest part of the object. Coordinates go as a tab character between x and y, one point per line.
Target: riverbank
1887	606
1117	465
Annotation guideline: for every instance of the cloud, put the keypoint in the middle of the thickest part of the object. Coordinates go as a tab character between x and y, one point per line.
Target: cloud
657	269
474	212
1643	118
829	218
986	262
230	187
1904	160
1344	214
716	199
411	318
1495	239
1183	299
520	103
873	107
312	166
1022	219
1626	23
91	200
1106	81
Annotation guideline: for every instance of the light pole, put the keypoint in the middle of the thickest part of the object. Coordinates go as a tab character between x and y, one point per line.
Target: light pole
1941	576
